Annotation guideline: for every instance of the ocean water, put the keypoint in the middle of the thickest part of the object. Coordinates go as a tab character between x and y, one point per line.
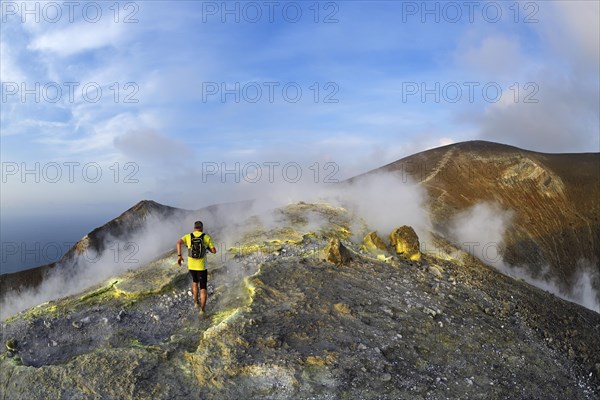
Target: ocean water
28	242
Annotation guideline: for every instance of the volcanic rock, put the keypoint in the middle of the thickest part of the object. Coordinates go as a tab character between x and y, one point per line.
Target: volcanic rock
335	252
406	243
373	243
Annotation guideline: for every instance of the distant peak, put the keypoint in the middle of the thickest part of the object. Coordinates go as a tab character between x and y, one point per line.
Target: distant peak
148	204
146	207
481	145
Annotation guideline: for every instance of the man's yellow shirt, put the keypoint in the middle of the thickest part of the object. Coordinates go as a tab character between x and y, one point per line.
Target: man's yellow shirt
197	264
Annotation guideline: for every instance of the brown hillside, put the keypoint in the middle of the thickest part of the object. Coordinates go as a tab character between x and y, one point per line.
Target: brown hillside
555	197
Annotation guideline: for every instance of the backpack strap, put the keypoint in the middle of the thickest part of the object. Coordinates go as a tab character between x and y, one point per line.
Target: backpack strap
200	237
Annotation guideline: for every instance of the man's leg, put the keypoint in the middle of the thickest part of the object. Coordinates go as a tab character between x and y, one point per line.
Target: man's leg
195	293
203	279
202	299
195	279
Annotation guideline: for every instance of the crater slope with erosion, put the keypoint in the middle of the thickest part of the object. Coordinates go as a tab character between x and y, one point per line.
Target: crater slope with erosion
555	199
299	311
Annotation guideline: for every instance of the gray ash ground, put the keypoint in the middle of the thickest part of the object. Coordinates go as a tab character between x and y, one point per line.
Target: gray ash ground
48	341
386	332
311	329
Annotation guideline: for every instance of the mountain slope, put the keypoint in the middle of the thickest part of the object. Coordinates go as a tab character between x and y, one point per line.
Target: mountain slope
555	199
284	324
126	224
116	245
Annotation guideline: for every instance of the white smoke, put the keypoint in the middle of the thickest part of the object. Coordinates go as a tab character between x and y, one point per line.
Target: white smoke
383	201
583	291
155	237
386	201
481	231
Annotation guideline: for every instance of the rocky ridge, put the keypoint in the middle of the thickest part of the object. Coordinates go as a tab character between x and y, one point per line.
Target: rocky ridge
283	323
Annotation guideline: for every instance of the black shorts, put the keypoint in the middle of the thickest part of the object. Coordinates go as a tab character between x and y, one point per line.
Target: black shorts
200	276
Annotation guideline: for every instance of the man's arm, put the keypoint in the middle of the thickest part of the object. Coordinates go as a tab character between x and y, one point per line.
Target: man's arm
211	246
178	247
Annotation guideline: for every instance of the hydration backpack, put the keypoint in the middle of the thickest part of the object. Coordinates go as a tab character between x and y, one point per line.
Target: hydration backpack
197	249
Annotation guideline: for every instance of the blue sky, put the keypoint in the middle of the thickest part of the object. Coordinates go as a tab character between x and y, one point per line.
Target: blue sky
368	62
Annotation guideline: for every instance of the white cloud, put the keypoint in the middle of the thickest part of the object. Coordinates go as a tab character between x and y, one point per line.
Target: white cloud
555	113
151	146
495	56
95	136
550	92
9	69
572	28
28	125
78	37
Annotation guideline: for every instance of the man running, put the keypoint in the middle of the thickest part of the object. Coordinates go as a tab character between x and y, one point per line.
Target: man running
197	243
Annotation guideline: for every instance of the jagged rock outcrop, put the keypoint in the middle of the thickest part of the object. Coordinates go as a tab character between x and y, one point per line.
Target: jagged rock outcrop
374	244
406	243
335	252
